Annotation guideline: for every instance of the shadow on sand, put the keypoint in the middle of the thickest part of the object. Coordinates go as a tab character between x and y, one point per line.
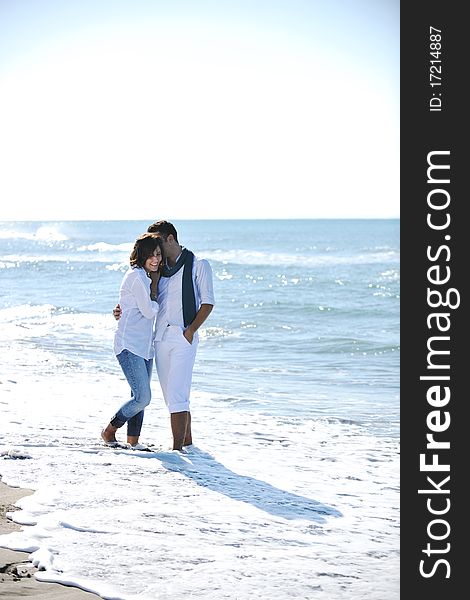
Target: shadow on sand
206	471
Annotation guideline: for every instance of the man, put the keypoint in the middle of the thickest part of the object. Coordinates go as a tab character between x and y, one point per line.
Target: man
185	298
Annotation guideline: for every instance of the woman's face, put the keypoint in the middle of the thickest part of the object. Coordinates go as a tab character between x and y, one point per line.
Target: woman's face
153	262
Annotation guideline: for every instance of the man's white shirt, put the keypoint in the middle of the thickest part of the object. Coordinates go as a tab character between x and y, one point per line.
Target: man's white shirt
170	292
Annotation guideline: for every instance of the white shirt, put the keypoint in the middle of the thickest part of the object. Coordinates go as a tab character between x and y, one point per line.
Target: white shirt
170	295
135	327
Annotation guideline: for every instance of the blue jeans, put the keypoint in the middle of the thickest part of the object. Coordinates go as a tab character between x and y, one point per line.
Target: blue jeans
138	372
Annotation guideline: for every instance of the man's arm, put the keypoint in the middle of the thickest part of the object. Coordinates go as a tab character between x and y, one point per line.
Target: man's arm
117	312
201	315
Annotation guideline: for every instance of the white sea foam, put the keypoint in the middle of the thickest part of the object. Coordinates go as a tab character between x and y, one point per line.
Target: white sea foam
45	233
104	247
267	507
66	257
102	253
25	312
46	319
257	258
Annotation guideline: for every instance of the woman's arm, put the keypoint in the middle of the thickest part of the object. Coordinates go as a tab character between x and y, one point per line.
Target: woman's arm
155	278
147	307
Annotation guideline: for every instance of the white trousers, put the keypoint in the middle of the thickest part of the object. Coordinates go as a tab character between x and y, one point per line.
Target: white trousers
174	359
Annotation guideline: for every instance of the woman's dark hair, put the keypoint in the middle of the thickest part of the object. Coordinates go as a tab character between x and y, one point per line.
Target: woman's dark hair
145	245
163	228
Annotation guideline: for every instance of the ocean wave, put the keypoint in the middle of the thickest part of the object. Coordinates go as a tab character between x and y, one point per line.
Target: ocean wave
105	247
42	234
101	253
47	319
8	265
243	257
14	260
123	266
22	312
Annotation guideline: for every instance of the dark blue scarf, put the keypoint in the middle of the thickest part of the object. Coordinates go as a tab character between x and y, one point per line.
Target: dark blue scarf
189	299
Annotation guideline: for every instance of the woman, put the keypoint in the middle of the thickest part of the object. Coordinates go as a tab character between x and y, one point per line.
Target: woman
133	340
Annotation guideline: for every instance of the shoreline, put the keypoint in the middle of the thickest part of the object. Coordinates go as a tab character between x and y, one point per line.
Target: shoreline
16	571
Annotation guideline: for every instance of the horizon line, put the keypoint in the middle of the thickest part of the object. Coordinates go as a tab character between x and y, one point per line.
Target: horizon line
35	220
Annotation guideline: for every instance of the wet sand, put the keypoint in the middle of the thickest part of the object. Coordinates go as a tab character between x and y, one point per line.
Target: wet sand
16	571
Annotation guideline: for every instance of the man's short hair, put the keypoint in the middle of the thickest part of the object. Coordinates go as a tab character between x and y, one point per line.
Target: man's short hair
163	228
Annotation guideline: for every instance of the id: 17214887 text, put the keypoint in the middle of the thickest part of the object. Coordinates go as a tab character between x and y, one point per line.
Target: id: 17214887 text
435	68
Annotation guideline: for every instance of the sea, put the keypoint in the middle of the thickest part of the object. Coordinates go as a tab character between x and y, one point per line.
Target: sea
291	488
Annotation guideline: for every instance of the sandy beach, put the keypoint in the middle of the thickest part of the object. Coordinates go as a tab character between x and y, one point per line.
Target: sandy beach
16	571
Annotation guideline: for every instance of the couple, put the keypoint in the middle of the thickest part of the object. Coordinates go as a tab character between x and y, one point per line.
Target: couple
165	296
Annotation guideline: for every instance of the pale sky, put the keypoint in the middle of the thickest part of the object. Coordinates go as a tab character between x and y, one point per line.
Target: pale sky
184	109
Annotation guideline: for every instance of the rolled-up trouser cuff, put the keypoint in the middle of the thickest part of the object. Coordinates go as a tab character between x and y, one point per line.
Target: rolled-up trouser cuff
115	422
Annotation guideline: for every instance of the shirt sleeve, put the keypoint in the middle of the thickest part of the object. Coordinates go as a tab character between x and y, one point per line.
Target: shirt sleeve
204	282
148	307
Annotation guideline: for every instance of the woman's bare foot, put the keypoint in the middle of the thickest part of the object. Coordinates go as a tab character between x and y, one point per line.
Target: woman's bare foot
109	434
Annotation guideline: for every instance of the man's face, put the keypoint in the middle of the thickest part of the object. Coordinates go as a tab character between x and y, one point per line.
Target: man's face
167	243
